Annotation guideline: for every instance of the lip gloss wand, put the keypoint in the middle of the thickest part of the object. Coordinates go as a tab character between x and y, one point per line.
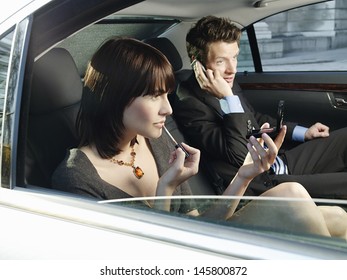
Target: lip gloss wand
177	145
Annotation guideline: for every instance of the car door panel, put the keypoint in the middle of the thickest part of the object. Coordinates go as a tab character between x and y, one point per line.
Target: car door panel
309	96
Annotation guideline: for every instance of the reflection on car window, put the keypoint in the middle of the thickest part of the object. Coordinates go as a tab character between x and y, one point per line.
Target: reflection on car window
311	38
5	50
261	222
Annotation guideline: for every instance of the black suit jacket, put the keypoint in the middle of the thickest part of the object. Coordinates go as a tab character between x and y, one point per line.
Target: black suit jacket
220	137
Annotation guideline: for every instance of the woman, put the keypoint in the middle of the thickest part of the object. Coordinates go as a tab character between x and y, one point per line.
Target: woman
123	152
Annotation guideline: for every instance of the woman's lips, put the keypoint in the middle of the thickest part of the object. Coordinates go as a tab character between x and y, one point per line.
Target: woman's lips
159	124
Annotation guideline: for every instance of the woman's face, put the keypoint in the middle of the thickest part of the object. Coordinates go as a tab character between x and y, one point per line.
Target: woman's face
146	115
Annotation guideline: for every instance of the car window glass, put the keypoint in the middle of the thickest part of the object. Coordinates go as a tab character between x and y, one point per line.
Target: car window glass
255	220
311	38
5	50
84	43
245	62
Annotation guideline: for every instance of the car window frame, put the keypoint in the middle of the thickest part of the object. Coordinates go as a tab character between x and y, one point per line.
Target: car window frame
12	103
12	179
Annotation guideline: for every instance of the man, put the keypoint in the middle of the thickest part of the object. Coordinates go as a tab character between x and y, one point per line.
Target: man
215	117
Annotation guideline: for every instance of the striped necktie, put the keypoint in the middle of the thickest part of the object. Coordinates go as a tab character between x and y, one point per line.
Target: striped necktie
279	167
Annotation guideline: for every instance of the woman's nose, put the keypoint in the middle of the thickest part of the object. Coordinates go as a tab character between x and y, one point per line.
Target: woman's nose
166	107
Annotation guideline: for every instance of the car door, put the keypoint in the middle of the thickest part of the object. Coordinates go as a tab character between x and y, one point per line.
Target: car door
298	56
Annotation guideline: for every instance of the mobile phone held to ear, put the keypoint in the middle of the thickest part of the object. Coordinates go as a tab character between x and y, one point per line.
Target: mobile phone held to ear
199	77
272	131
197	61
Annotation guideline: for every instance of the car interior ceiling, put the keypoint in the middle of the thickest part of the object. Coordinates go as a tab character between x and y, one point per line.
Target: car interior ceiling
55	99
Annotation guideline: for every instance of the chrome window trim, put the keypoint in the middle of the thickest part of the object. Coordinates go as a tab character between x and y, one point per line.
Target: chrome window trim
13	94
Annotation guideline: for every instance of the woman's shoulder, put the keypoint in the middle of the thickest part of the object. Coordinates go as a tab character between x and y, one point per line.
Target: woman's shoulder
74	160
72	169
77	174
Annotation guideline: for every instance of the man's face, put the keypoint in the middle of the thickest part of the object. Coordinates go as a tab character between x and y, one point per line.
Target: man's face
222	57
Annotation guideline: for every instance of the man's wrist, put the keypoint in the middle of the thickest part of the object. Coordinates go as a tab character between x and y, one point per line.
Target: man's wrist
231	104
299	133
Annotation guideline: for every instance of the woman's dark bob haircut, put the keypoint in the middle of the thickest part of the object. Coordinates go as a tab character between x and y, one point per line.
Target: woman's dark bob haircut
120	70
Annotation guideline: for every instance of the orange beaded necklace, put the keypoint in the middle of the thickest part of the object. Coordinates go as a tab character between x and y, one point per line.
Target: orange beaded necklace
138	172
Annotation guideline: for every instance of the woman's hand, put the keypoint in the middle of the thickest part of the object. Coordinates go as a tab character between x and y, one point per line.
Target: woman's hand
260	158
180	169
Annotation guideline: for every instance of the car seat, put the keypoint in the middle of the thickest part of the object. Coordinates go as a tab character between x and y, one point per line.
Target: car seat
54	104
200	185
169	50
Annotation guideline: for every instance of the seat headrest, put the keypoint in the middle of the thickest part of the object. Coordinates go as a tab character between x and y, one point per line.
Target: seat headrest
56	82
168	49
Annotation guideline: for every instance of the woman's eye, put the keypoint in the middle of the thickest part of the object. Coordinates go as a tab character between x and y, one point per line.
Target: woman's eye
155	97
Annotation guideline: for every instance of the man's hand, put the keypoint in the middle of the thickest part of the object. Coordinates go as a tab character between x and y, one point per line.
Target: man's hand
317	130
211	81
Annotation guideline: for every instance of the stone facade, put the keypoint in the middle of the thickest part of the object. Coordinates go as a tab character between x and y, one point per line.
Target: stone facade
317	27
